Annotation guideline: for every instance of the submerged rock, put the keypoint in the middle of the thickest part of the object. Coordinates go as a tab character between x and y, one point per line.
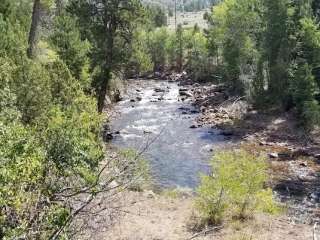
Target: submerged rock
227	133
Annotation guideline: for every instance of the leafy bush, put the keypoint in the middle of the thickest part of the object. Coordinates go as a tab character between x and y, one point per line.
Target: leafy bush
140	60
21	167
71	49
198	63
50	146
157	45
235	188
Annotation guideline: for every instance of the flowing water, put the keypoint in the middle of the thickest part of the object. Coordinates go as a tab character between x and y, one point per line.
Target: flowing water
152	118
161	124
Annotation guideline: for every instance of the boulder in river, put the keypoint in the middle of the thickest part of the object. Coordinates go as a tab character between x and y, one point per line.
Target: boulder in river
117	96
107	136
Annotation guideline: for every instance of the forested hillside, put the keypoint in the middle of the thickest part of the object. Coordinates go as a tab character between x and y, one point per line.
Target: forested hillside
61	64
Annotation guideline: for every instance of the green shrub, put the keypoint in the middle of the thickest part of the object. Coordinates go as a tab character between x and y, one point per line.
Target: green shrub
157	44
140	60
235	188
71	49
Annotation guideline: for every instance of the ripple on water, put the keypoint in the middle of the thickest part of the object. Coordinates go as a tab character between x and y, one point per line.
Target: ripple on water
179	154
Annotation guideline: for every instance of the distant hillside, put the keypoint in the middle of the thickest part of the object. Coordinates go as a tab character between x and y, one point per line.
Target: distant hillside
184	5
189	19
189	12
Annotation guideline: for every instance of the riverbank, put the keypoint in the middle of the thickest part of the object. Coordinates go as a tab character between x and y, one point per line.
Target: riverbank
209	108
294	157
165	216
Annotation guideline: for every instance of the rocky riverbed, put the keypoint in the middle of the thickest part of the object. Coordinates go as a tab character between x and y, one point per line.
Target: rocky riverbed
159	119
294	158
203	117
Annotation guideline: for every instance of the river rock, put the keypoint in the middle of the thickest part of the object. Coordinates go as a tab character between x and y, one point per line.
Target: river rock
227	133
149	194
157	74
187	94
273	155
107	136
203	109
183	89
303	164
159	90
284	155
194	111
117	96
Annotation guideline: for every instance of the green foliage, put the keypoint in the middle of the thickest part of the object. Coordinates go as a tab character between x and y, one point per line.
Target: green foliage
185	49
236	187
108	26
263	47
21	169
157	16
198	61
157	43
234	36
49	134
31	85
71	49
140	60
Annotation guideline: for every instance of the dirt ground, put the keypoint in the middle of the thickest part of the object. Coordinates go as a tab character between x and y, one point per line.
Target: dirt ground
157	217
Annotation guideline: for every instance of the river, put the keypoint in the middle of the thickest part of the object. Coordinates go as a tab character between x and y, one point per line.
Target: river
153	116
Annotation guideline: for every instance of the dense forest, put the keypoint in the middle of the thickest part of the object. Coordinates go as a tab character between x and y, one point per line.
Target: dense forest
61	61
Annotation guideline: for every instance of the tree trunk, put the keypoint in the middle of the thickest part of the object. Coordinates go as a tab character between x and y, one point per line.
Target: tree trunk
102	92
32	42
110	28
59	7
